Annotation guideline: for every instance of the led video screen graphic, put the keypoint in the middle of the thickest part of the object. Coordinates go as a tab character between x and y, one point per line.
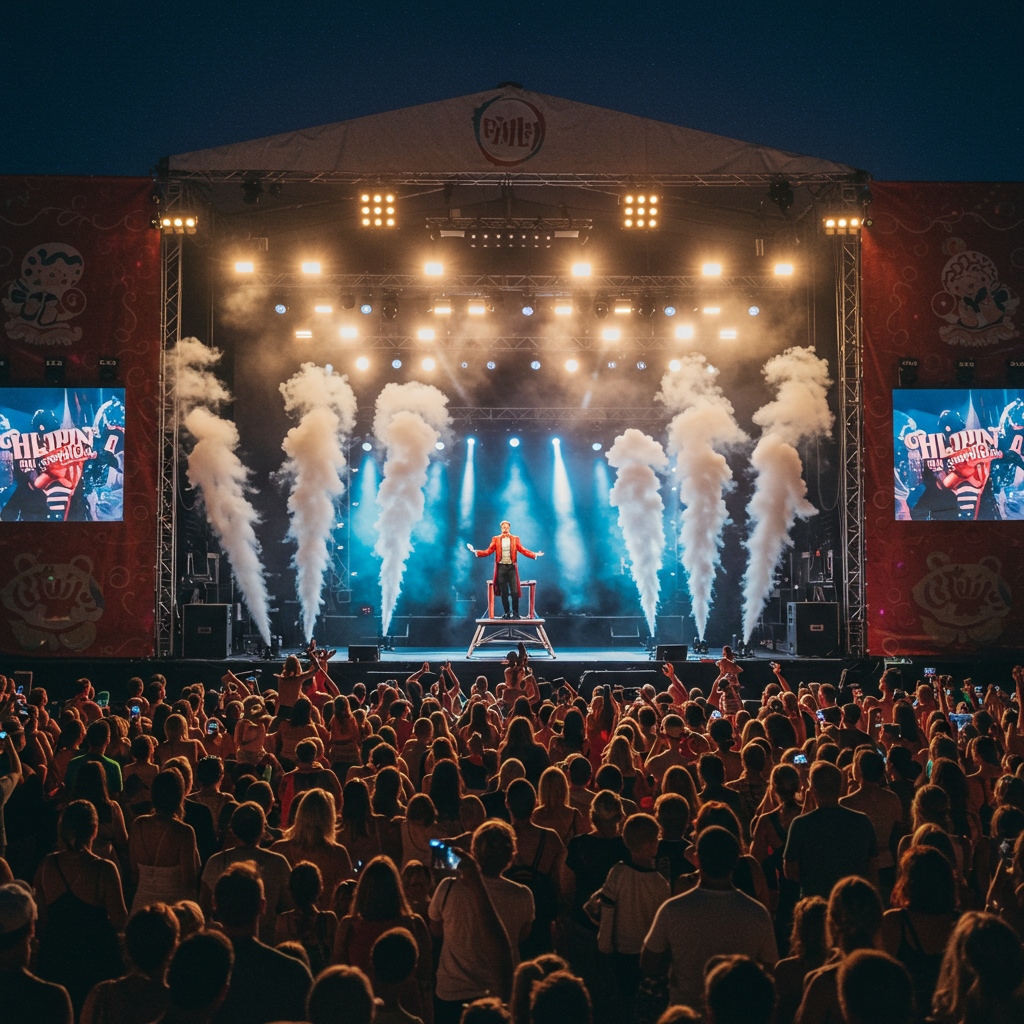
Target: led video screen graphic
959	454
61	454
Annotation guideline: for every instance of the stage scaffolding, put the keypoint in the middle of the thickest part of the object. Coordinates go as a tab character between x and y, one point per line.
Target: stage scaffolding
830	187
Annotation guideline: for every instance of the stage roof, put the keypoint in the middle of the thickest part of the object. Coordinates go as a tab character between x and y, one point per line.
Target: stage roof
507	131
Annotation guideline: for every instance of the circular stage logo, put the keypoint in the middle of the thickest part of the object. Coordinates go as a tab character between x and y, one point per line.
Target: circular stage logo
508	130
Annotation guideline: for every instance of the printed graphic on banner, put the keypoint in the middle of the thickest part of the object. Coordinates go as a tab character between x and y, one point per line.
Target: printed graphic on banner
959	454
61	454
977	307
46	296
509	130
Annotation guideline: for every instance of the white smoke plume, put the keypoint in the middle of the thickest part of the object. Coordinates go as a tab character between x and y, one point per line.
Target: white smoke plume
410	420
800	410
704	425
635	456
216	470
315	449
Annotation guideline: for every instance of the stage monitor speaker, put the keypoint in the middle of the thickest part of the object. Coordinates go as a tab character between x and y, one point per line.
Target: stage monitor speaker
206	630
368	652
670	652
812	629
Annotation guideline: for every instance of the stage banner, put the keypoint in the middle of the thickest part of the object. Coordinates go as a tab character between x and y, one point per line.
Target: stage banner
943	272
79	401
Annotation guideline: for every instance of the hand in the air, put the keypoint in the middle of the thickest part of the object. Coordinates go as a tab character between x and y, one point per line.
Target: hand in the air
471	548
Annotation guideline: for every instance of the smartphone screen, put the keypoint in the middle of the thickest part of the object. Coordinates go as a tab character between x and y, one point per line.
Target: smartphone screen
715	714
212	726
820	715
134	711
929	672
442	856
799	759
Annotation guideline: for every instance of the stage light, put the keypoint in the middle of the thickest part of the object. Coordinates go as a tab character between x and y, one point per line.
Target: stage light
712	310
712	270
841	225
490	364
556	441
780	192
362	363
684	331
727	334
674	365
563	307
303	334
639	210
612	364
529	305
601	309
441	306
185	224
670	310
783	269
572	365
396	364
428	363
323	308
244	268
366	306
597	446
311	268
465	366
425	334
581	270
754	310
367	447
477	307
610	334
641	365
513	442
623	306
389	308
348	301
535	365
251	192
349	332
281	308
647	306
439	446
329	368
377	210
433	269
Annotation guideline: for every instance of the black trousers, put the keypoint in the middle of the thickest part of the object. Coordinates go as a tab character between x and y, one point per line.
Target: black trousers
507	588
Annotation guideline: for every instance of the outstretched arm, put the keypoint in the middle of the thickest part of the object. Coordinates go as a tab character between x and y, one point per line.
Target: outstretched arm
489	550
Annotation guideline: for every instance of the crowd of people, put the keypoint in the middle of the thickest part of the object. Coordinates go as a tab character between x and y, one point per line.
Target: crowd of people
512	852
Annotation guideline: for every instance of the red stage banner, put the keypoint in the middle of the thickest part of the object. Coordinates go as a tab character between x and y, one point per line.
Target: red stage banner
943	271
79	282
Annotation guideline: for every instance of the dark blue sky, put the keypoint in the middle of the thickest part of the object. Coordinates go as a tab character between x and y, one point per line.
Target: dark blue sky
905	89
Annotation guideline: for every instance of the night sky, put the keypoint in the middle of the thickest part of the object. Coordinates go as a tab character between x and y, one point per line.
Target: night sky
908	90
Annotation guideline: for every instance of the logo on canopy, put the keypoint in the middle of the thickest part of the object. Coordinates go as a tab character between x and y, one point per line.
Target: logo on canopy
508	130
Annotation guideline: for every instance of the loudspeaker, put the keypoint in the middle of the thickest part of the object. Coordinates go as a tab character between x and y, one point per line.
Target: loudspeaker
363	653
206	630
812	629
670	652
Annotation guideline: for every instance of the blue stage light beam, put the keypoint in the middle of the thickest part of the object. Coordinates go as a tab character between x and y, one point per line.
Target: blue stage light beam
570	549
462	559
519	504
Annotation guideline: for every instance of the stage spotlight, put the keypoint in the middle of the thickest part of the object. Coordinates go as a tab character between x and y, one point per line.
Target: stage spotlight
323	307
783	269
366	305
610	334
563	307
396	364
244	267
712	310
639	210
425	334
464	366
251	192
670	310
441	306
348	301
647	307
728	334
362	363
601	309
349	332
597	446
428	363
612	364
535	365
965	373
491	364
389	308
477	307
556	441
780	192
572	365
433	269
513	442
439	446
754	310
311	268
366	446
185	224
529	305
841	225
377	210
281	308
581	270
712	270
641	365
304	334
624	305
674	365
684	331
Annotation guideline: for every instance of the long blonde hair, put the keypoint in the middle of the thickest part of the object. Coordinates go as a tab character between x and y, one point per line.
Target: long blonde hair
314	819
553	790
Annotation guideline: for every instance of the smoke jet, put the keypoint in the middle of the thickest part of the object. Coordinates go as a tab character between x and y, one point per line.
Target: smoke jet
315	460
635	456
409	421
800	410
704	424
216	471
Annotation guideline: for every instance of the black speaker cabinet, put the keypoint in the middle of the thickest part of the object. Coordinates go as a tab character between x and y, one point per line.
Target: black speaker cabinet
812	629
206	630
670	652
363	653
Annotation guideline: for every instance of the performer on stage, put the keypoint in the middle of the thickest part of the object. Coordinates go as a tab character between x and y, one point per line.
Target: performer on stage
505	547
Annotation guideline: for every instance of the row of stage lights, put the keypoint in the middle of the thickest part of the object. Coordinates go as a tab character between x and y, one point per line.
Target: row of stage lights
429	364
513	442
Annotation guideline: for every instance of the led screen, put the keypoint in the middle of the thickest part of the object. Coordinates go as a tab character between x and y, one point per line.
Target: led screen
958	454
61	454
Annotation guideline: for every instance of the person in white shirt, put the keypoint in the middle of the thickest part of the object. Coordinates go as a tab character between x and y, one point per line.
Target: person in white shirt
711	920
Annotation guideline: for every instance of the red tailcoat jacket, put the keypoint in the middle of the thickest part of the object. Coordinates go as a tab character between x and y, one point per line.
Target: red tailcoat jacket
515	546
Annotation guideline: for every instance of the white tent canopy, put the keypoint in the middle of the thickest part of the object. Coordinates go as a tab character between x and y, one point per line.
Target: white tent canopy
506	130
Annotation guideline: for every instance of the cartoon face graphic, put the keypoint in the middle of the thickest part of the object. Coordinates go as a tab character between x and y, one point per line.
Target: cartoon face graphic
977	307
46	296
